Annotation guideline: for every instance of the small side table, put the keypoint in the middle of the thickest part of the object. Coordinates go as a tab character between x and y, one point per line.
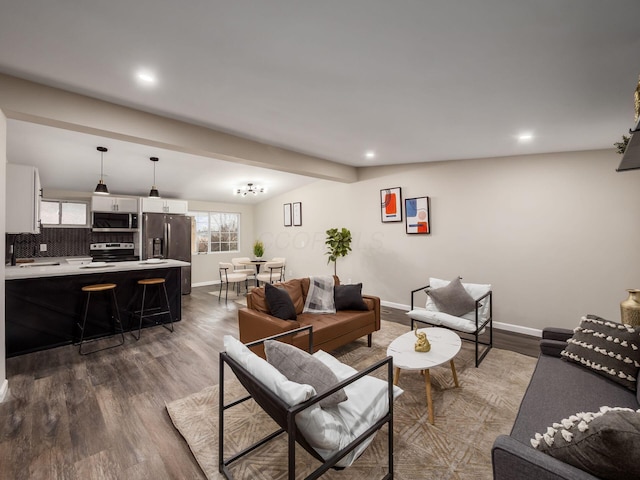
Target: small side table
445	345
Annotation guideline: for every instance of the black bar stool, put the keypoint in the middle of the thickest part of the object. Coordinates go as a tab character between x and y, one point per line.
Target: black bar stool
115	314
157	310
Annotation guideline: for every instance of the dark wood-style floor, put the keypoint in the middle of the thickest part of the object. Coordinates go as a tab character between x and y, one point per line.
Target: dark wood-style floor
103	416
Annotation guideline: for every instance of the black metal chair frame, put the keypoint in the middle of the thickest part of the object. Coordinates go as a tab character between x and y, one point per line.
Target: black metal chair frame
226	282
285	416
488	323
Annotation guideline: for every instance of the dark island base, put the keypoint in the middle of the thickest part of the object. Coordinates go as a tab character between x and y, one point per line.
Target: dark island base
44	313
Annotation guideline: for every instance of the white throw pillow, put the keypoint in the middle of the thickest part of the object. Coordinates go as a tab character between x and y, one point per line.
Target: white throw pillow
328	430
289	392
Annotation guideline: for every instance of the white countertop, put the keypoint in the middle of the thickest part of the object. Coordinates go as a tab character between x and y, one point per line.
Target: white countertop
34	270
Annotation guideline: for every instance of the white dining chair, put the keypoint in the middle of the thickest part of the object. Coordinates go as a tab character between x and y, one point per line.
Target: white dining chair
227	276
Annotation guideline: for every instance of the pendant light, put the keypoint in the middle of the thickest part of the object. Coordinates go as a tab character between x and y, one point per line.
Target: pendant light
101	188
154	190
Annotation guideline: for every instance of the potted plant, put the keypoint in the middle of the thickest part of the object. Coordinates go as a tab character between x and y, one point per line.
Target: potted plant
338	244
258	249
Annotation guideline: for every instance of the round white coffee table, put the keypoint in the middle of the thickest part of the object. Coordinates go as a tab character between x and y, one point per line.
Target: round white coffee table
445	344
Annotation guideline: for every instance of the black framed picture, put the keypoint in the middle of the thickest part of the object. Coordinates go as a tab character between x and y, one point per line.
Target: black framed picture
416	212
391	205
287	215
297	214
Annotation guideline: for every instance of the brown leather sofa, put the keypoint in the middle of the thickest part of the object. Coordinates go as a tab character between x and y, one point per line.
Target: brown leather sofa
330	331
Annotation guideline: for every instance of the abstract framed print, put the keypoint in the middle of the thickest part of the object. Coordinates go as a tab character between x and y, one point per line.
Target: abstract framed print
391	205
416	212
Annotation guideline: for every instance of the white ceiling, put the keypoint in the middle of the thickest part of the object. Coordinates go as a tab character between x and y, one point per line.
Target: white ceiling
412	80
68	160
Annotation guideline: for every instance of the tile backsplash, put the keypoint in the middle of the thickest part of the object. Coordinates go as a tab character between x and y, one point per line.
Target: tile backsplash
61	242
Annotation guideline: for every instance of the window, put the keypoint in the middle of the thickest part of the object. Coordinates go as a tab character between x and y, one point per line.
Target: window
63	213
216	232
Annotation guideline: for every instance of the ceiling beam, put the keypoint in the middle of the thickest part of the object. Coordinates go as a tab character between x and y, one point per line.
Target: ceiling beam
33	102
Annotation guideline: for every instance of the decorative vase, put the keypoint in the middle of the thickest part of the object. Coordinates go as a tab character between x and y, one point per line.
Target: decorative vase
630	308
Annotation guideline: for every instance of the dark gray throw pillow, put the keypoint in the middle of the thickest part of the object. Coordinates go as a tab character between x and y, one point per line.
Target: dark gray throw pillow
301	367
349	297
608	348
452	299
279	302
601	443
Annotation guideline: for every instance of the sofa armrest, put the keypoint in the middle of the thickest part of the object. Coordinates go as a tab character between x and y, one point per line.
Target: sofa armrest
560	334
374	304
552	347
512	459
254	325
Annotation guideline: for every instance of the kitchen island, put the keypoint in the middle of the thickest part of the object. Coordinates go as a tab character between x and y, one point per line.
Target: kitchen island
44	302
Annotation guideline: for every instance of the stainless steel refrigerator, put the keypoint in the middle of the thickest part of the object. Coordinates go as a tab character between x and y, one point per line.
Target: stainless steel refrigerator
167	235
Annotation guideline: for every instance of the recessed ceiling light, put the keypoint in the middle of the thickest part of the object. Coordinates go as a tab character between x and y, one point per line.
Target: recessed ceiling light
525	137
370	154
145	77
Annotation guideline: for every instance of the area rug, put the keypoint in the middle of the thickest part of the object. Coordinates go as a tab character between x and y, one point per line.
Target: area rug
458	446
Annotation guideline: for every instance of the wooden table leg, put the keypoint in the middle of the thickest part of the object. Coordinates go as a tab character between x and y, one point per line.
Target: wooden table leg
396	376
427	383
453	371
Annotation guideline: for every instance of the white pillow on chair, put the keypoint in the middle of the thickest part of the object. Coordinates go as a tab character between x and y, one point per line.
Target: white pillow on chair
291	393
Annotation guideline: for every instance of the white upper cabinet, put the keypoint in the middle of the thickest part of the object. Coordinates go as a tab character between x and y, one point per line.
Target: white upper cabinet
107	203
163	205
23	199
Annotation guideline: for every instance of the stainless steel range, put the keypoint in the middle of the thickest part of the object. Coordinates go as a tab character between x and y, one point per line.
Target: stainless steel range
112	252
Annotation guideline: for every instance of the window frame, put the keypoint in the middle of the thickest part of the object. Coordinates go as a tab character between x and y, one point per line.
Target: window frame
210	213
87	218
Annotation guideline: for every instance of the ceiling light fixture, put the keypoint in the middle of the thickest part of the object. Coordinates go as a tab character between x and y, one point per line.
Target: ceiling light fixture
250	188
370	154
154	190
101	188
525	137
146	78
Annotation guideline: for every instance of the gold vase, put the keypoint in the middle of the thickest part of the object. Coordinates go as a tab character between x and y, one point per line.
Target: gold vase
630	308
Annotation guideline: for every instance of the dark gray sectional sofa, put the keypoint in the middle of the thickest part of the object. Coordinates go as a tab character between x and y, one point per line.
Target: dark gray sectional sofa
557	390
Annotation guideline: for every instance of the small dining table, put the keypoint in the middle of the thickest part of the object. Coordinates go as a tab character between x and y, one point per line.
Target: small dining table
257	263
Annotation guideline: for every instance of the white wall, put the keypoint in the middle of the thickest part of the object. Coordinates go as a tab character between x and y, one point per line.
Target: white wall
4	385
556	234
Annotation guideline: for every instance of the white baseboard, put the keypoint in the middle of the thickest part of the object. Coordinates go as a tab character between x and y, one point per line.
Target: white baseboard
534	332
4	390
204	284
399	306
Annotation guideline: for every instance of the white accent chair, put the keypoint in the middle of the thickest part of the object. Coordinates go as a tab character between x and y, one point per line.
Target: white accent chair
478	322
227	276
271	272
335	436
283	260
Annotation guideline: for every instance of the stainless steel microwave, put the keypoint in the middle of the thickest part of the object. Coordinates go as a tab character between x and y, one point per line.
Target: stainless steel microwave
114	222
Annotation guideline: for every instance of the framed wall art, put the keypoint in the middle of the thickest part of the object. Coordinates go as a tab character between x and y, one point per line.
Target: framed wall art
391	205
297	214
416	212
287	214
